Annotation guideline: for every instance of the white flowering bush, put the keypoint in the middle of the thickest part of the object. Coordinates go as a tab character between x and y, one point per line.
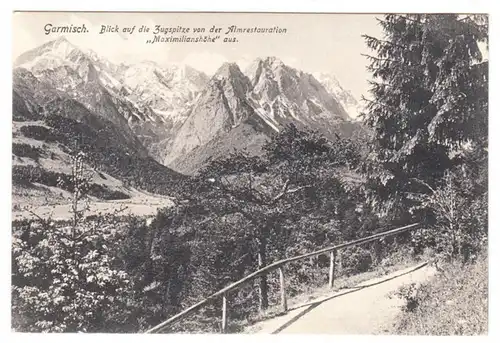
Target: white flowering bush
64	277
460	208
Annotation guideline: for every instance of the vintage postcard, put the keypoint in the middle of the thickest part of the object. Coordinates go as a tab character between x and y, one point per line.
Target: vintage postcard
247	173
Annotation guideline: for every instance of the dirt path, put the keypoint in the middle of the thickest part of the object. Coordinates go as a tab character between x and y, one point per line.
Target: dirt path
364	309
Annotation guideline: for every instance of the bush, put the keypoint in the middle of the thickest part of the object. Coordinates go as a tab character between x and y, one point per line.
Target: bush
460	218
410	295
356	260
40	133
454	303
27	175
64	278
26	150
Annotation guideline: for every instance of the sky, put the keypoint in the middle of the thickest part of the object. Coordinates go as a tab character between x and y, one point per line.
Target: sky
327	43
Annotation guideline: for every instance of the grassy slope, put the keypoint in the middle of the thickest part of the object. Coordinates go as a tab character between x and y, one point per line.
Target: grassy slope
49	156
52	157
455	303
47	125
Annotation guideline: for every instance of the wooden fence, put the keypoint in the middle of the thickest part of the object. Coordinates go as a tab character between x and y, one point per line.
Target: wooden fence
332	251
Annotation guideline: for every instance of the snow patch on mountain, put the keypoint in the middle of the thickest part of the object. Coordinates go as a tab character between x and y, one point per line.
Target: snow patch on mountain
168	90
344	96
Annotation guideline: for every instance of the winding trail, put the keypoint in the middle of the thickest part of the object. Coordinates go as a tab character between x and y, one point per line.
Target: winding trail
367	308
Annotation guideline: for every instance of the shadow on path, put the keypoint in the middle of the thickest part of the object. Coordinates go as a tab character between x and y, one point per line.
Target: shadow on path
312	305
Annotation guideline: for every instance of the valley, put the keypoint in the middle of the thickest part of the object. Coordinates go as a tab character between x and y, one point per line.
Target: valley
140	204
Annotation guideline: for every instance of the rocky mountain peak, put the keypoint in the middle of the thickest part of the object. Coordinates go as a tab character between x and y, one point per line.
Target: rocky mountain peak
269	61
228	70
57	50
344	96
230	82
268	66
273	62
61	40
176	110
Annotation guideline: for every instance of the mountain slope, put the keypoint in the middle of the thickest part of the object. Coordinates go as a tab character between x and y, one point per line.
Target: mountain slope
46	100
221	107
146	100
345	97
174	113
49	125
167	94
238	110
242	137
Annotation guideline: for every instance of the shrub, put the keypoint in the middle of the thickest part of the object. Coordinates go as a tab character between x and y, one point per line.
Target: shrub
409	293
65	277
461	218
455	302
356	260
40	133
26	150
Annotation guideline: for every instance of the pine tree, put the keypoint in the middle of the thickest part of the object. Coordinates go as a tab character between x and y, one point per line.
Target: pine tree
429	100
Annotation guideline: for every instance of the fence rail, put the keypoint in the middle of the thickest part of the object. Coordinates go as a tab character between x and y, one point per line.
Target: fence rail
332	251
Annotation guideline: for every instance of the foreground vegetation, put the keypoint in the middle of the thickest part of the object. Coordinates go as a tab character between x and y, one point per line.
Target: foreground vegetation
454	303
431	67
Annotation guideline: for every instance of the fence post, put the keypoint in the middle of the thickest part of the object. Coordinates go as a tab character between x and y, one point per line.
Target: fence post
224	313
283	291
331	274
339	269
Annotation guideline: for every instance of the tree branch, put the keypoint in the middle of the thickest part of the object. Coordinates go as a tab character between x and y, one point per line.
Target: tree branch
249	195
409	19
286	191
380	59
36	215
383	41
424	184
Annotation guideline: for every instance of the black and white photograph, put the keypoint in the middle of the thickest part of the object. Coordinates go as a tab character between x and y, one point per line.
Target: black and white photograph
250	173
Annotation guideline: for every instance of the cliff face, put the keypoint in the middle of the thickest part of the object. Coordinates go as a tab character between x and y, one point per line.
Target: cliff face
221	107
259	102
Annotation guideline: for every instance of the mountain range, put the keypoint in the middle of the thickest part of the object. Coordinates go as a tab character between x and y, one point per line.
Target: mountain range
172	116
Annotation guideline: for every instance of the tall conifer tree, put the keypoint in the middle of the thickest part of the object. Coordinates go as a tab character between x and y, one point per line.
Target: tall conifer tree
428	100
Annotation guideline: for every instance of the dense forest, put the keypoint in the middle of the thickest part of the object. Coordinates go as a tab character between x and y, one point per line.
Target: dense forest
427	118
